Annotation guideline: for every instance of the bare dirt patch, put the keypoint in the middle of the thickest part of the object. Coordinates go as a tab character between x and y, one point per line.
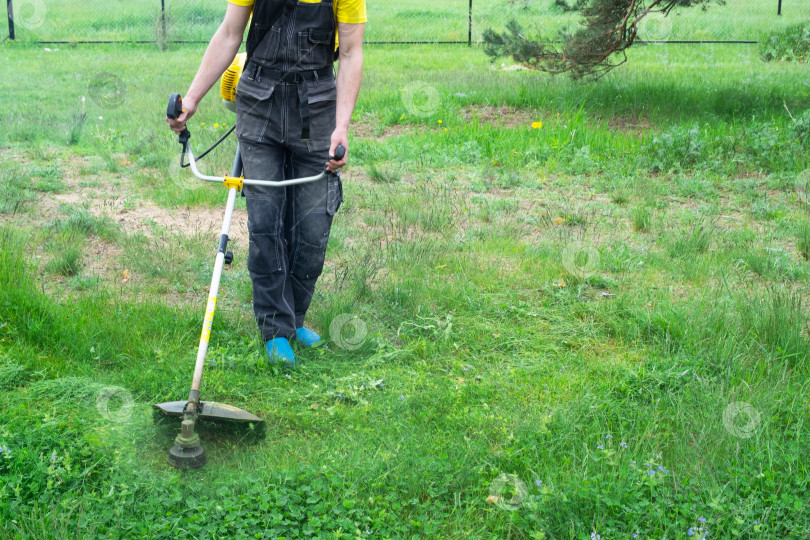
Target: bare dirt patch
630	125
367	130
505	117
111	195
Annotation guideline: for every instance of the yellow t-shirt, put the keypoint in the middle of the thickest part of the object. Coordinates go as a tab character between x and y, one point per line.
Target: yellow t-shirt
346	11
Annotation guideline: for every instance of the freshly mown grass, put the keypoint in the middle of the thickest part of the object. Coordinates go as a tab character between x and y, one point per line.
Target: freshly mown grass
594	327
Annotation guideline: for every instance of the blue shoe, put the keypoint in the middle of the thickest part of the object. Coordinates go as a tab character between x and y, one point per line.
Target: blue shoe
307	337
279	350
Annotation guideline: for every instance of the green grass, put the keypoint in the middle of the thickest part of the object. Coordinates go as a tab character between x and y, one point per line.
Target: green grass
418	20
545	316
791	44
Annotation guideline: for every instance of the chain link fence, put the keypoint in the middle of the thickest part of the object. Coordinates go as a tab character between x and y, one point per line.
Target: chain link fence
415	21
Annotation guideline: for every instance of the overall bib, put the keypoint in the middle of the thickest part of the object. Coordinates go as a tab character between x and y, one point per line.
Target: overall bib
285	104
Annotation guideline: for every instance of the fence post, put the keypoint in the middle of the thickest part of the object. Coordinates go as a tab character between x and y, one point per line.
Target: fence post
469	34
779	12
10	20
163	18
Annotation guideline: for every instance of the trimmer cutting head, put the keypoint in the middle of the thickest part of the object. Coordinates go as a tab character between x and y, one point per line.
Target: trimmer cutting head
210	410
187	452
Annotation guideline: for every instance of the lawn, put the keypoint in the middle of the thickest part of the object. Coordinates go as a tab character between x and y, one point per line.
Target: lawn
416	20
553	309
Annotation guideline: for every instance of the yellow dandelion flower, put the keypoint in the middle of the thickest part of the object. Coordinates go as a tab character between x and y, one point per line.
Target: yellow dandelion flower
440	122
202	123
216	125
559	220
445	129
537	125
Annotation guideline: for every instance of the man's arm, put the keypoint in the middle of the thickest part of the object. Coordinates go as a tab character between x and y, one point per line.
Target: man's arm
350	75
219	55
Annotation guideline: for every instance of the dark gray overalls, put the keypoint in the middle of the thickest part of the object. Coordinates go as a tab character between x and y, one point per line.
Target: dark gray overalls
285	106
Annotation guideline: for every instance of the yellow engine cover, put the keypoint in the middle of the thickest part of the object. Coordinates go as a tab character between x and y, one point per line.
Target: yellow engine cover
230	78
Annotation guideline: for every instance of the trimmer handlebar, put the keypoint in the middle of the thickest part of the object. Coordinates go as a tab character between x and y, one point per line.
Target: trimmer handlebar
175	109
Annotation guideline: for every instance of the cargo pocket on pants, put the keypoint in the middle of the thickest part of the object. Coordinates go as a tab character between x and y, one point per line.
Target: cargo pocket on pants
334	194
253	108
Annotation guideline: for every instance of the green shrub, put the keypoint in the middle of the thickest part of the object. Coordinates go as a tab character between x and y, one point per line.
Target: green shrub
789	45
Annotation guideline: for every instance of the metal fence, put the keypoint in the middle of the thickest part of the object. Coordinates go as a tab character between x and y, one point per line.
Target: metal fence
415	21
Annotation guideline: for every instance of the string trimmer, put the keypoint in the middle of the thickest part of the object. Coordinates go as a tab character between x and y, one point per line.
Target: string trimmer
187	452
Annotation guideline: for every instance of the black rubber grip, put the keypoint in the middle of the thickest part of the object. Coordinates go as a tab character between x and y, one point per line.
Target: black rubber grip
340	153
223	244
175	107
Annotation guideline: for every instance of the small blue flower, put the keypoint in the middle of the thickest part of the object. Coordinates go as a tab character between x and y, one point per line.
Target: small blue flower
702	519
660	468
53	457
690	532
402	398
650	472
364	385
601	447
608	436
340	395
635	535
537	483
756	522
623	444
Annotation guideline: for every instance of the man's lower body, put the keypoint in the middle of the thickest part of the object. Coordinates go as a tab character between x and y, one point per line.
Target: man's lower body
288	226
